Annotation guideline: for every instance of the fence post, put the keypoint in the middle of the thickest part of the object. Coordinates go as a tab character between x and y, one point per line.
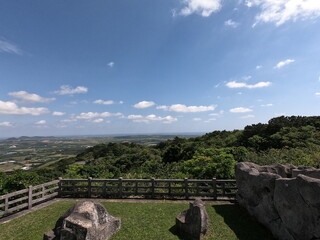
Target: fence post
89	187
186	188
105	189
152	187
223	189
6	204
214	187
136	188
60	187
169	192
30	197
43	189
120	187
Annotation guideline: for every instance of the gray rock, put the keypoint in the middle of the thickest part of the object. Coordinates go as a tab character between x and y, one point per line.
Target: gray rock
297	202
86	220
193	223
289	207
307	171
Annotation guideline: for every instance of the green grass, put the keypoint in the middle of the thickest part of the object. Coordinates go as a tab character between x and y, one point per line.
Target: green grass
141	221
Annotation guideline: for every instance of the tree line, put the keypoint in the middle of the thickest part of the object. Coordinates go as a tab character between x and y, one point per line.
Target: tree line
286	140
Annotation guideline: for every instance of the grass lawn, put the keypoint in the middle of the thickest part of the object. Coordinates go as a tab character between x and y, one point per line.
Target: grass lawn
141	221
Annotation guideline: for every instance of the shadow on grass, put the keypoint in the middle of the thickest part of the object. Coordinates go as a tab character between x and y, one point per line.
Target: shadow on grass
241	223
174	231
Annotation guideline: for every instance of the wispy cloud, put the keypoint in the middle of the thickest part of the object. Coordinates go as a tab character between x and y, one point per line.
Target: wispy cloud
150	118
8	47
247	116
41	122
231	23
284	63
58	113
240	110
144	104
14	109
267	105
187	109
104	102
98	120
68	90
110	64
258	67
202	7
91	115
281	11
6	124
30	97
234	84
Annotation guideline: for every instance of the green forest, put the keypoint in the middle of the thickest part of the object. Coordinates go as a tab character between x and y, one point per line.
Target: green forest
285	140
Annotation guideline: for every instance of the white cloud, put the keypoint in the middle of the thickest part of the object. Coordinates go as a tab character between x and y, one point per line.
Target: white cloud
240	110
267	105
67	90
246	78
98	120
234	84
91	115
41	122
110	64
30	97
144	104
202	7
13	108
247	116
231	23
6	124
58	113
196	119
281	11
187	109
7	47
284	63
258	67
150	118
108	102
69	120
134	117
317	94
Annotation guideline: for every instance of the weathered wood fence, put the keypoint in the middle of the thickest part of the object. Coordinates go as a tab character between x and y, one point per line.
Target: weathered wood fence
147	188
212	189
28	198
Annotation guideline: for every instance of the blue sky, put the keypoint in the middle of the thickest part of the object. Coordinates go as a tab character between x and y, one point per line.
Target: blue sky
122	67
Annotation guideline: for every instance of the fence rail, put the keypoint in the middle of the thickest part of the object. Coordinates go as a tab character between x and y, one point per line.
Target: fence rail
147	188
28	198
215	189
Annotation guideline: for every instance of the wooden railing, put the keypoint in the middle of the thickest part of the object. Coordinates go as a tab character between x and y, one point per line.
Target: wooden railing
28	198
148	188
212	189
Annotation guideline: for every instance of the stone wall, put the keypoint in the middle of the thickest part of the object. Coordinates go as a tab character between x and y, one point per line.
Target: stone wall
284	198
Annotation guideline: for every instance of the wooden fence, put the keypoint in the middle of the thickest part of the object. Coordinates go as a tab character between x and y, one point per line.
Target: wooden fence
148	188
215	189
28	198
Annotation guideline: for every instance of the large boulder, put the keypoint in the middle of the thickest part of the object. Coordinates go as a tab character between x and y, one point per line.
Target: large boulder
256	190
86	220
193	223
281	198
297	201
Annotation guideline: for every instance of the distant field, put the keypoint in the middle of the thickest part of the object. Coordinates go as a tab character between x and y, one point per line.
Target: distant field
37	152
142	221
